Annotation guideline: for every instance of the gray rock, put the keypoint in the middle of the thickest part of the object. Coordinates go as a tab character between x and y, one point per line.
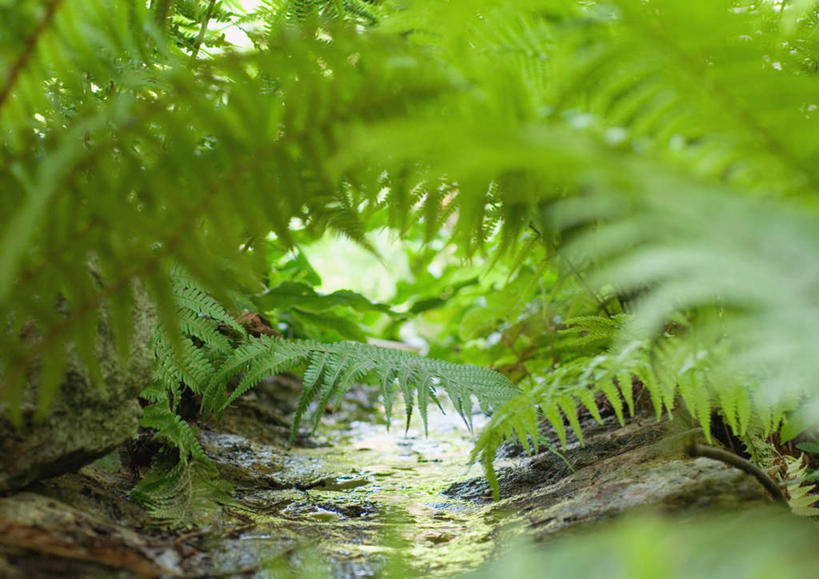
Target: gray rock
618	471
86	420
42	535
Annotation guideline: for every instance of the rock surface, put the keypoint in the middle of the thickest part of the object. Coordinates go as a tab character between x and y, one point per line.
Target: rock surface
619	470
48	538
86	420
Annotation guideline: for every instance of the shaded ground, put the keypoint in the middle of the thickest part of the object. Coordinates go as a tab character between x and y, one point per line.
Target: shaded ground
355	497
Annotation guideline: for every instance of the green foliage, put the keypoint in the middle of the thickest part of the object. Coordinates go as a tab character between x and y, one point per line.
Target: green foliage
289	294
181	494
644	174
587	381
800	496
118	149
207	362
182	484
213	351
304	312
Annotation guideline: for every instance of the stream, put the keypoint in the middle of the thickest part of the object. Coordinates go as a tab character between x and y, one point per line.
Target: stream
357	498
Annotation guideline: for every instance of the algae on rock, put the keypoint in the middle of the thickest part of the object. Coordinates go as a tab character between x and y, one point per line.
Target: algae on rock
86	420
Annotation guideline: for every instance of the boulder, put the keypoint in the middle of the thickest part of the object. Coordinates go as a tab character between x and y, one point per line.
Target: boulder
86	420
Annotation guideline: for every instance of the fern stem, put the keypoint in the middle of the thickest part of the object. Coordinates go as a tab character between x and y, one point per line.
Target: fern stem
203	29
600	301
731	459
161	10
28	51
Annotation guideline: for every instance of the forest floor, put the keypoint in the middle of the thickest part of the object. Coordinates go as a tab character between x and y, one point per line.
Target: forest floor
356	499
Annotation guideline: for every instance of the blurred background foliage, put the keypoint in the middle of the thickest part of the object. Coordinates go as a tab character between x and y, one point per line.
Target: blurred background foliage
647	546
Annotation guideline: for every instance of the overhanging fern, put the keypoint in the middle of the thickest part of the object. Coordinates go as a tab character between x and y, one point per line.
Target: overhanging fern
331	369
668	371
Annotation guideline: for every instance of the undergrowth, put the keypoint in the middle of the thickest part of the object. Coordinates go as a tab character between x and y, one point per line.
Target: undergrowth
644	172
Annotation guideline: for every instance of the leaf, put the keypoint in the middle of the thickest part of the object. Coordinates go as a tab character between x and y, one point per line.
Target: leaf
302	296
478	322
613	396
550	410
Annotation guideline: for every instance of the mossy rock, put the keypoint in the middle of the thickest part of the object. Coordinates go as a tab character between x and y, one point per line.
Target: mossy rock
87	419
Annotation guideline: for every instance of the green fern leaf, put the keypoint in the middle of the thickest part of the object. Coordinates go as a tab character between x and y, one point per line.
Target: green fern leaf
606	386
333	368
387	383
275	362
173	430
310	387
624	381
569	408
744	412
190	297
180	493
587	398
194	369
552	413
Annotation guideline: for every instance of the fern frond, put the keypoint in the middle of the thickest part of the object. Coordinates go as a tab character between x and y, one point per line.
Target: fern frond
174	431
556	396
332	368
194	368
255	359
594	332
104	124
180	493
195	325
801	497
672	150
741	266
190	296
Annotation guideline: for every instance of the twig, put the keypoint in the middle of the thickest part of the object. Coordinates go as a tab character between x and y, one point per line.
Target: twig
28	51
731	459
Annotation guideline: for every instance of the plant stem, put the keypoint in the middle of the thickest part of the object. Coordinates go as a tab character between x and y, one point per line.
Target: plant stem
161	9
202	30
600	301
744	465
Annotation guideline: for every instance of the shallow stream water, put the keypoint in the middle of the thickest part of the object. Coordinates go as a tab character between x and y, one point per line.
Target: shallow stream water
364	500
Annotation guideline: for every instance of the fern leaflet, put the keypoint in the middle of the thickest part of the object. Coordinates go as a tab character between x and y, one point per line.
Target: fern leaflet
330	369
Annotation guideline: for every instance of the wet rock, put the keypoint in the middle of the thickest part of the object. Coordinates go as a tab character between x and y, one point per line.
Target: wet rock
49	538
639	466
250	464
524	474
86	420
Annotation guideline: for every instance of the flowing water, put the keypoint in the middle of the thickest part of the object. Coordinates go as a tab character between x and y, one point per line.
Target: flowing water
365	500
